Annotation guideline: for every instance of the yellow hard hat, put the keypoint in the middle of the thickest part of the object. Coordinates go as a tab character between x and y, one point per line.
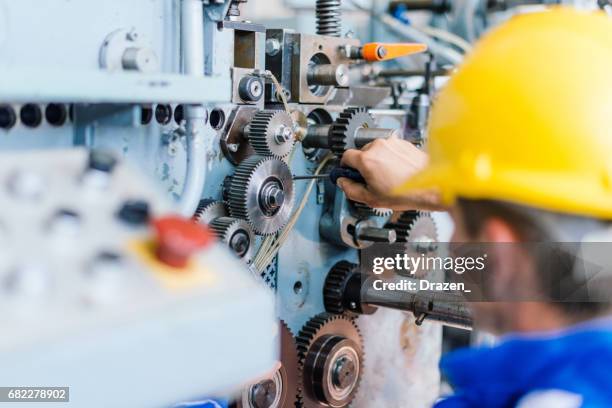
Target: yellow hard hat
527	118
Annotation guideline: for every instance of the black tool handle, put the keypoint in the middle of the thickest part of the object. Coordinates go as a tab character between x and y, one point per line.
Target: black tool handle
347	172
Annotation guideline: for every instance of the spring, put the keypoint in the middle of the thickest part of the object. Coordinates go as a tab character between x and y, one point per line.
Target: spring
329	18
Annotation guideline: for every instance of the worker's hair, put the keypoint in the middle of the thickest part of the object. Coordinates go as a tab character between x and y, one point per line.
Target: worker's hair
560	232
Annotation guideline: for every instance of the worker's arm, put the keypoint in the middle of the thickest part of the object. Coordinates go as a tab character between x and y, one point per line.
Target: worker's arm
386	164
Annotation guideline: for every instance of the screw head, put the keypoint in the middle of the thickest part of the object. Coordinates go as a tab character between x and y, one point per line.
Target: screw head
263	394
344	372
273	46
239	243
283	134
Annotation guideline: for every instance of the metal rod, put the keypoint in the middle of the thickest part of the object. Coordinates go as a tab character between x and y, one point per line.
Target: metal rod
328	74
192	46
368	135
317	136
449	309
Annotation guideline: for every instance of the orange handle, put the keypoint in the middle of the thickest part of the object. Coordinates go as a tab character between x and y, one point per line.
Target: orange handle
373	52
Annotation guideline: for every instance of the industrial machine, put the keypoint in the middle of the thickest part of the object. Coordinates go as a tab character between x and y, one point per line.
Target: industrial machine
218	115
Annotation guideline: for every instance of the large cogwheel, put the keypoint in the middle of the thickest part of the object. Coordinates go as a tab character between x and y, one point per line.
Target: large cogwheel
343	131
271	133
331	361
281	390
261	192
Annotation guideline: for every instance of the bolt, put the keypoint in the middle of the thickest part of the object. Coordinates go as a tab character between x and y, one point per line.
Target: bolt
344	373
239	243
273	46
250	88
382	52
233	147
132	36
277	197
283	134
271	197
263	394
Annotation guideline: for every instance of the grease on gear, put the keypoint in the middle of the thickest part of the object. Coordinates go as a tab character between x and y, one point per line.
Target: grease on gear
271	133
261	192
331	359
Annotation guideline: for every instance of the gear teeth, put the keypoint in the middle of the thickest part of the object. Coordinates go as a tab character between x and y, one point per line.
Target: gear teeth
242	183
366	211
226	227
290	374
342	132
222	226
403	224
262	130
208	209
239	185
333	290
321	324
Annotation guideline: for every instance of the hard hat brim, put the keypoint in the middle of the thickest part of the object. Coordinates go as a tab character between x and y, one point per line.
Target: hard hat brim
553	191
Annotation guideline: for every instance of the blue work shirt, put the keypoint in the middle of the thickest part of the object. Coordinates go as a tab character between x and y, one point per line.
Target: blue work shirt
568	368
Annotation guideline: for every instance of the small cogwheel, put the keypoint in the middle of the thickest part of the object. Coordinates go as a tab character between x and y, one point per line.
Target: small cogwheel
271	133
261	192
209	209
342	290
365	211
344	130
237	234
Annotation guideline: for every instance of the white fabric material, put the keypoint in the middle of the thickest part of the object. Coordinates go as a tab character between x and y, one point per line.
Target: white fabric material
550	399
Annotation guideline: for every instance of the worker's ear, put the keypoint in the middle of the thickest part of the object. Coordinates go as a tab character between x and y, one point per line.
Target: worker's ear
496	230
508	263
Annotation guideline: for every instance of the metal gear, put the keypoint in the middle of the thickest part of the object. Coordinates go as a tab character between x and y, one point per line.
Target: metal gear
417	231
343	283
417	227
331	361
271	133
237	234
343	131
261	192
209	209
281	390
365	211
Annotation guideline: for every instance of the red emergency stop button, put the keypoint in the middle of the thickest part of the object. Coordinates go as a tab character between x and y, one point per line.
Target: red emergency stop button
178	238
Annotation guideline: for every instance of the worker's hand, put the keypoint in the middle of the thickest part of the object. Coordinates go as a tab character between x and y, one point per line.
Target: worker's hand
386	164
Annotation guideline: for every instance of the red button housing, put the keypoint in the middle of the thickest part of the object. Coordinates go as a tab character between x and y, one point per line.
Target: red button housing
179	238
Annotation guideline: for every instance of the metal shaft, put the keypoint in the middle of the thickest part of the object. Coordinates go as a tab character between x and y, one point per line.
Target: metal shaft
368	135
449	309
373	234
329	75
317	136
